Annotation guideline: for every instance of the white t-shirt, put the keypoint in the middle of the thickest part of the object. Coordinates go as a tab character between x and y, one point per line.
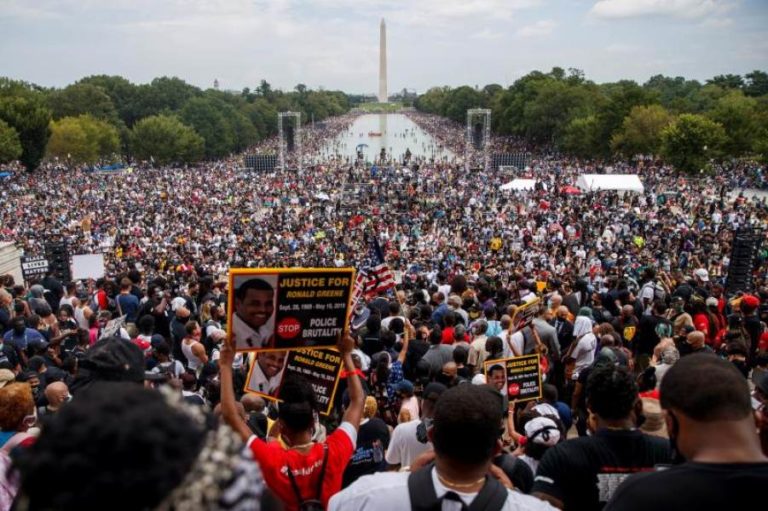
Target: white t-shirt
389	490
404	447
516	340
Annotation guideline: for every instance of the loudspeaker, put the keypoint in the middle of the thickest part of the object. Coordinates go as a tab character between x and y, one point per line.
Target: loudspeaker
477	135
289	139
746	245
57	254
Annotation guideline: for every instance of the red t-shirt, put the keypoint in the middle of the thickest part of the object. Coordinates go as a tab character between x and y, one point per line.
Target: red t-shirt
275	460
447	337
701	323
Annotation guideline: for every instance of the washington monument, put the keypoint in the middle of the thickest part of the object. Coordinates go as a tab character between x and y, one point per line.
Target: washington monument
383	62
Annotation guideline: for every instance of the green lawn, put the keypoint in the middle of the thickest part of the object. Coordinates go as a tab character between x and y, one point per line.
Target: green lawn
380	107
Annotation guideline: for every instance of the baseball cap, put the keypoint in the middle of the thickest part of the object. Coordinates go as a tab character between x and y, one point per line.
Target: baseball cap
702	274
543	431
750	301
711	301
177	303
404	386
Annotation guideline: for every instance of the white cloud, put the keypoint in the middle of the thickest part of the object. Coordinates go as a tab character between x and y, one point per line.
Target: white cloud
691	9
539	29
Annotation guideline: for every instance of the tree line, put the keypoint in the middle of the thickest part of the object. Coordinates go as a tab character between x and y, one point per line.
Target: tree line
108	118
686	122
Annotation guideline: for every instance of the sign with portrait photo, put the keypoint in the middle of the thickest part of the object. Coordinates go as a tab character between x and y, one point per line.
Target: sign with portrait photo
282	309
320	368
519	378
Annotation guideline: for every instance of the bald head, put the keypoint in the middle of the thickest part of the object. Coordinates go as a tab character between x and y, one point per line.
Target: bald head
627	311
555	301
450	369
238	407
253	403
56	393
562	312
696	339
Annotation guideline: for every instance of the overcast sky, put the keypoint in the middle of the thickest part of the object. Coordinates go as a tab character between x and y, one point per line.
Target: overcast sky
334	43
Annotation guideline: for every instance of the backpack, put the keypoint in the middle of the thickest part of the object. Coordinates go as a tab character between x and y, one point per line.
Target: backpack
658	291
421	491
312	504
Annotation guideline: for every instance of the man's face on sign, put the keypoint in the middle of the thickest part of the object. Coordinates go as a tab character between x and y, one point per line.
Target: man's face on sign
271	362
498	379
256	308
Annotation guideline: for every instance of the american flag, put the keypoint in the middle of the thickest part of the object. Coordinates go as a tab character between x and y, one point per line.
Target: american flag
374	275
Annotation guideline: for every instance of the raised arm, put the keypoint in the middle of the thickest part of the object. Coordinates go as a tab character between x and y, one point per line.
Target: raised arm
354	413
228	410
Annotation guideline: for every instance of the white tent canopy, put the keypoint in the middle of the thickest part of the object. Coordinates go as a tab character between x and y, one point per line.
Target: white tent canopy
617	182
519	184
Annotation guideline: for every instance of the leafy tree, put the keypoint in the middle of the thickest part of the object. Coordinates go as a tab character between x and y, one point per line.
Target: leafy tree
640	132
691	141
163	95
205	116
433	100
82	140
740	118
728	81
82	98
621	97
756	83
461	99
122	93
10	145
675	94
581	137
30	117
556	103
165	139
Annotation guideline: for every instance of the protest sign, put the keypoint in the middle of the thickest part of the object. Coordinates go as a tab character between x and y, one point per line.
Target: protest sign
34	266
518	377
280	308
525	314
319	367
112	328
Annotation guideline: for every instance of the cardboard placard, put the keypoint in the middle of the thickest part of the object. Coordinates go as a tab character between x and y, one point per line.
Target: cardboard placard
525	314
521	377
321	368
281	309
88	266
35	266
112	328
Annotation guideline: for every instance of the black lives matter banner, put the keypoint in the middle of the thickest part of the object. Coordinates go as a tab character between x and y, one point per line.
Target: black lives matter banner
321	368
518	377
283	309
33	267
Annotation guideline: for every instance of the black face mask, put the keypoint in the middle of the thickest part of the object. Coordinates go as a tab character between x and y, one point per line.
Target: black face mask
677	457
19	329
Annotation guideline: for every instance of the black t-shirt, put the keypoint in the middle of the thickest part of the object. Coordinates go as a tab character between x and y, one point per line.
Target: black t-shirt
648	333
372	441
5	320
584	472
8	356
699	486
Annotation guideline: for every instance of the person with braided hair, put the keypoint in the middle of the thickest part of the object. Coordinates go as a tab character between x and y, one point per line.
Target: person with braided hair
124	447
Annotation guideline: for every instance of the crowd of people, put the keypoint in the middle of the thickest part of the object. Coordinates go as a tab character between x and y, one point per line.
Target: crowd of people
650	363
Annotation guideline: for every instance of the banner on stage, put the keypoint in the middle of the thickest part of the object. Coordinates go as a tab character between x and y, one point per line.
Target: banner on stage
519	378
282	309
321	368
